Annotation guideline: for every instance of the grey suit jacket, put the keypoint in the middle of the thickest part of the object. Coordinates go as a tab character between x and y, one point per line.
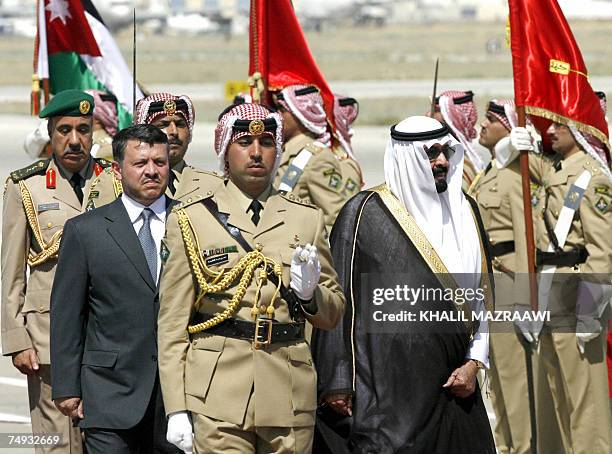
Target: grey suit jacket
104	306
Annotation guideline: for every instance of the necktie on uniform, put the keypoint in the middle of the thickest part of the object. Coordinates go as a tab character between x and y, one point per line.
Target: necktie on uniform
255	207
75	182
148	243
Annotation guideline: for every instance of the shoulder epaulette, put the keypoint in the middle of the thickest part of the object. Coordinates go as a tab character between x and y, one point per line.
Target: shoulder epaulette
103	162
208	173
32	169
192	200
292	198
314	149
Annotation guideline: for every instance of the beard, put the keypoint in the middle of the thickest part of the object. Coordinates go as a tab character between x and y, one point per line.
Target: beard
441	184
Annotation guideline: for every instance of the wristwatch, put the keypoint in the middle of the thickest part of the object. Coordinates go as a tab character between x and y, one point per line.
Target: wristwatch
479	364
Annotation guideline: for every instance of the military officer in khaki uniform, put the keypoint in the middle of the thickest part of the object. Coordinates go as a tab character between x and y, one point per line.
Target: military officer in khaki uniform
175	115
345	113
244	267
498	193
574	241
309	169
37	202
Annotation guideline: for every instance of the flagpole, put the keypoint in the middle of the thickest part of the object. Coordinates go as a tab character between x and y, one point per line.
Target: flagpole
524	166
134	64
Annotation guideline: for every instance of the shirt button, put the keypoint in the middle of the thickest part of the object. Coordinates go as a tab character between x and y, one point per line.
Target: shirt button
49	225
41	308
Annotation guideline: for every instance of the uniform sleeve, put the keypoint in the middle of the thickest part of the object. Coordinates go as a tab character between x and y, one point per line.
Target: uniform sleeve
69	304
15	248
325	182
328	294
596	219
177	296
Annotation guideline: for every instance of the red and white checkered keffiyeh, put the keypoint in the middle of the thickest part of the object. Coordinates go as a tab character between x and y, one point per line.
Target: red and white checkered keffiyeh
589	142
105	112
510	119
462	118
309	109
345	116
225	134
143	115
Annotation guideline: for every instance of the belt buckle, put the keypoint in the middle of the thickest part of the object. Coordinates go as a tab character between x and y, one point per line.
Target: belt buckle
262	339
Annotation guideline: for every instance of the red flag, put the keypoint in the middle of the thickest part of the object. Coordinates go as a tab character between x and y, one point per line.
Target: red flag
550	77
68	29
279	51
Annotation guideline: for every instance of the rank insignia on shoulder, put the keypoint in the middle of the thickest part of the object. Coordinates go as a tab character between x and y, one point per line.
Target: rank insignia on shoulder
335	179
164	252
601	190
219	250
602	205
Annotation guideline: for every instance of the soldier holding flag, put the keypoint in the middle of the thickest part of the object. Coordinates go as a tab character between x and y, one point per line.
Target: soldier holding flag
573	223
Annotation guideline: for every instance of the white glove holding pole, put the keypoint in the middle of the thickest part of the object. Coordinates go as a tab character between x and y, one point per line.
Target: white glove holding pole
180	431
305	271
521	139
587	329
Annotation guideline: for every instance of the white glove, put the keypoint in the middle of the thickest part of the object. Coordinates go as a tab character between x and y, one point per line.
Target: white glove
587	329
305	271
526	328
521	139
180	431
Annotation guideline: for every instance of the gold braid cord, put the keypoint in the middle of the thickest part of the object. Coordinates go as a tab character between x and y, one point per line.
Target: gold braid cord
210	281
50	250
117	186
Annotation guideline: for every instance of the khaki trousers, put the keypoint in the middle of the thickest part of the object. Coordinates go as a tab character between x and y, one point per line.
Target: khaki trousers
47	419
579	388
212	436
510	393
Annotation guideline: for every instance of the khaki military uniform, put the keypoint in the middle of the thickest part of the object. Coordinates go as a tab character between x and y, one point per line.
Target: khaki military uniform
578	382
106	187
242	398
499	196
351	173
321	182
31	244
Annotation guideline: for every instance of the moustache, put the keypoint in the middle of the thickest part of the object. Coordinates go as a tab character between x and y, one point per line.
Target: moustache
175	142
74	151
439	170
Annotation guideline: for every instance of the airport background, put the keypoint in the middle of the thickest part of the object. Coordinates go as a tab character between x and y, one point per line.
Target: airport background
381	52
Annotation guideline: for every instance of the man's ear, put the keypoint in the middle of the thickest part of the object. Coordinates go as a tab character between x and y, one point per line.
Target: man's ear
116	170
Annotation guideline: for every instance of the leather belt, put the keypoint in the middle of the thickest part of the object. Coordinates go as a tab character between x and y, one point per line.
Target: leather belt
503	248
262	332
562	258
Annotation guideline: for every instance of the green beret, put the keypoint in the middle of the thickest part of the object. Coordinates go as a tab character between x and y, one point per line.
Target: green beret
69	103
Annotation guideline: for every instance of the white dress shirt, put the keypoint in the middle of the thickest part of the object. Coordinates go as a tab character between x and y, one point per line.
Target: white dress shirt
158	221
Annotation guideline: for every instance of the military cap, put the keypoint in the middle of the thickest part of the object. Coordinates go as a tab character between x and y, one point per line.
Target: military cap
69	103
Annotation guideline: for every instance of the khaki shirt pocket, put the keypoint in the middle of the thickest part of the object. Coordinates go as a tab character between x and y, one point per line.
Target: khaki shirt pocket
303	378
201	362
50	222
489	200
36	301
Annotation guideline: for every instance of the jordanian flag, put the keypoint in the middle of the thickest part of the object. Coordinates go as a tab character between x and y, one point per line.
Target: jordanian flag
76	50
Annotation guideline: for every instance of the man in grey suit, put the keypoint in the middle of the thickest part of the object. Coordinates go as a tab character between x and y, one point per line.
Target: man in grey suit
104	306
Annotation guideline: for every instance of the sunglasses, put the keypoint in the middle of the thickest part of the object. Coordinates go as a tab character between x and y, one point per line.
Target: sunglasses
433	152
